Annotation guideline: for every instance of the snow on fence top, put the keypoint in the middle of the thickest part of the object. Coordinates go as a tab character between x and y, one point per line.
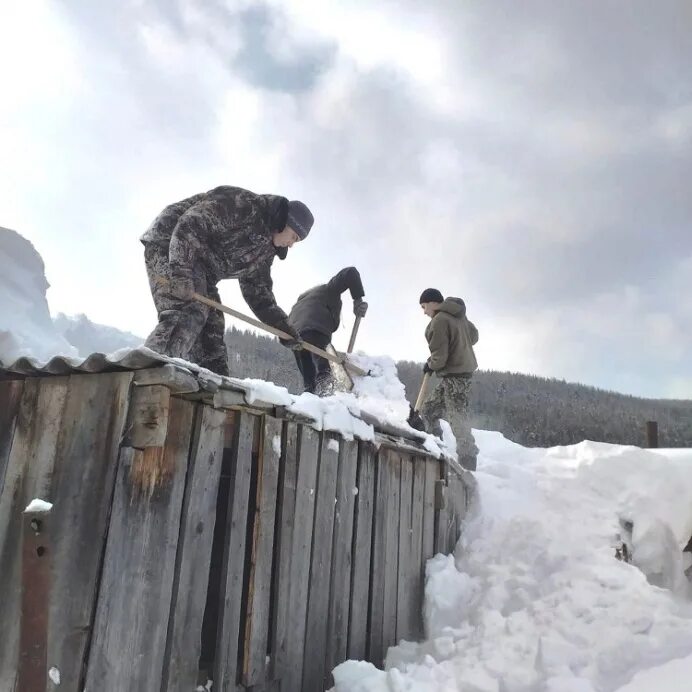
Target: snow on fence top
377	404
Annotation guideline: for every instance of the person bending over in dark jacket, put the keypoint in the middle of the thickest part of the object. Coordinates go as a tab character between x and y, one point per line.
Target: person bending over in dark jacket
226	233
316	315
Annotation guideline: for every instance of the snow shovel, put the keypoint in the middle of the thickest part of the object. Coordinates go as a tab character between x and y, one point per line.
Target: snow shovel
272	330
341	376
414	417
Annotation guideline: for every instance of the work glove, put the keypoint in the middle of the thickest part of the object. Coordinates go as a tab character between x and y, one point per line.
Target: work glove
427	369
295	343
181	287
360	307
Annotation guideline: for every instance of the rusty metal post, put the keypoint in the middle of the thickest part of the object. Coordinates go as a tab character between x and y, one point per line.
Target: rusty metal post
651	434
36	559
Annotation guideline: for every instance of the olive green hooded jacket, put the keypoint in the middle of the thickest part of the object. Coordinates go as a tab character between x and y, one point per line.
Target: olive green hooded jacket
451	337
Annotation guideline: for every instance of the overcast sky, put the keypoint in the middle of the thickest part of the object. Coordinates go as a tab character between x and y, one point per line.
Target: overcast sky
534	158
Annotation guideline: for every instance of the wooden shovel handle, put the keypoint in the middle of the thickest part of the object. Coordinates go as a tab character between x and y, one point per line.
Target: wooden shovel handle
267	328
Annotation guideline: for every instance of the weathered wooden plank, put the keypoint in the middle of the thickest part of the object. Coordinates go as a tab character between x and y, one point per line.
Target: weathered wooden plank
393	465
404	626
169	375
376	646
134	606
432	473
320	567
283	549
194	551
258	603
29	472
340	594
233	573
417	558
147	423
300	559
362	544
37	553
10	396
84	478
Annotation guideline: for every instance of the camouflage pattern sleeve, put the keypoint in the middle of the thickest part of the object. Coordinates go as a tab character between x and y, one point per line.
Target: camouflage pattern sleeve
257	290
186	246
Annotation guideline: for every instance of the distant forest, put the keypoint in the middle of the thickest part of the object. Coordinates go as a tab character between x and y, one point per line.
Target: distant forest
533	411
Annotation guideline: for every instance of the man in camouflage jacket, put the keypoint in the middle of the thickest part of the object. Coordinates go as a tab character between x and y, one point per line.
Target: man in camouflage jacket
451	337
316	316
226	233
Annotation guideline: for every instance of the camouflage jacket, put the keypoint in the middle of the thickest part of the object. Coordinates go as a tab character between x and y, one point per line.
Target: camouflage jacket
227	233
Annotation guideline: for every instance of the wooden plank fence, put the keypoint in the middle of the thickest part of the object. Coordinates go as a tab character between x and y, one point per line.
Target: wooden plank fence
191	541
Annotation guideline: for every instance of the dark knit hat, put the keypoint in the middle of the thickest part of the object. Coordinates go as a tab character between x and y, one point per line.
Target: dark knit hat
431	295
300	218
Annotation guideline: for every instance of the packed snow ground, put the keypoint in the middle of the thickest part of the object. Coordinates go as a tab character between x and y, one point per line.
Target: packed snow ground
534	599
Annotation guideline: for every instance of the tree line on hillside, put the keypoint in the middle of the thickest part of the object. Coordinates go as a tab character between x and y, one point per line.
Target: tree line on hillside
533	411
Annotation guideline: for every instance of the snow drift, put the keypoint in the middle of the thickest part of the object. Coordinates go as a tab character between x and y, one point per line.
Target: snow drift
535	599
26	328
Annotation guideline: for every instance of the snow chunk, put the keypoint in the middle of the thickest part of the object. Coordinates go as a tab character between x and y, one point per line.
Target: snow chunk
54	675
37	505
276	444
333	445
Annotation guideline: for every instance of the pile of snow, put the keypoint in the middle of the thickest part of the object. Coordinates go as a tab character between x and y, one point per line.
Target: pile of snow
535	600
26	328
90	337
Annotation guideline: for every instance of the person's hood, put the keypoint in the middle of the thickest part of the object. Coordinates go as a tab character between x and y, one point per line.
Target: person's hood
454	307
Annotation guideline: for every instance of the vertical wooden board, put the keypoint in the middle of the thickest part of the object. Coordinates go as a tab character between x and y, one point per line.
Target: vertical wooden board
309	447
320	567
84	478
393	463
258	602
432	473
194	551
417	557
29	472
283	549
233	572
134	605
10	396
376	647
404	626
340	593
362	544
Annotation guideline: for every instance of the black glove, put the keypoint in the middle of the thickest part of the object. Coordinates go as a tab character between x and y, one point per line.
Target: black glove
181	287
295	343
427	369
360	307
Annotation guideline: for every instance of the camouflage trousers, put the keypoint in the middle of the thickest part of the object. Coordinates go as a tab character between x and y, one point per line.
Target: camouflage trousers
449	401
186	329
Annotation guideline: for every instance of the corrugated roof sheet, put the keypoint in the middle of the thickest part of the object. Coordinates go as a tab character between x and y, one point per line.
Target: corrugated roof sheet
130	359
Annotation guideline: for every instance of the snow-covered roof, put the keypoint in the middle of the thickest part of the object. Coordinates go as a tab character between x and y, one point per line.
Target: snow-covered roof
376	411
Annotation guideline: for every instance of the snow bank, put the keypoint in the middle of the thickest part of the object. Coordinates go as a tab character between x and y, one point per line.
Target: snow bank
90	337
26	328
535	600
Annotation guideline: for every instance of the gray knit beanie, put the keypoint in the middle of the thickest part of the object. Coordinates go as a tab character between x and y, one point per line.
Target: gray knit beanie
300	218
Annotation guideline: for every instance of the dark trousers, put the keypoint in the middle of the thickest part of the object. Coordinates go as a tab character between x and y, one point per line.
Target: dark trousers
311	366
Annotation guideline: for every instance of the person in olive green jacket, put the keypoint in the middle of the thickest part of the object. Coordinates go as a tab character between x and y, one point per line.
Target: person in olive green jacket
451	337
